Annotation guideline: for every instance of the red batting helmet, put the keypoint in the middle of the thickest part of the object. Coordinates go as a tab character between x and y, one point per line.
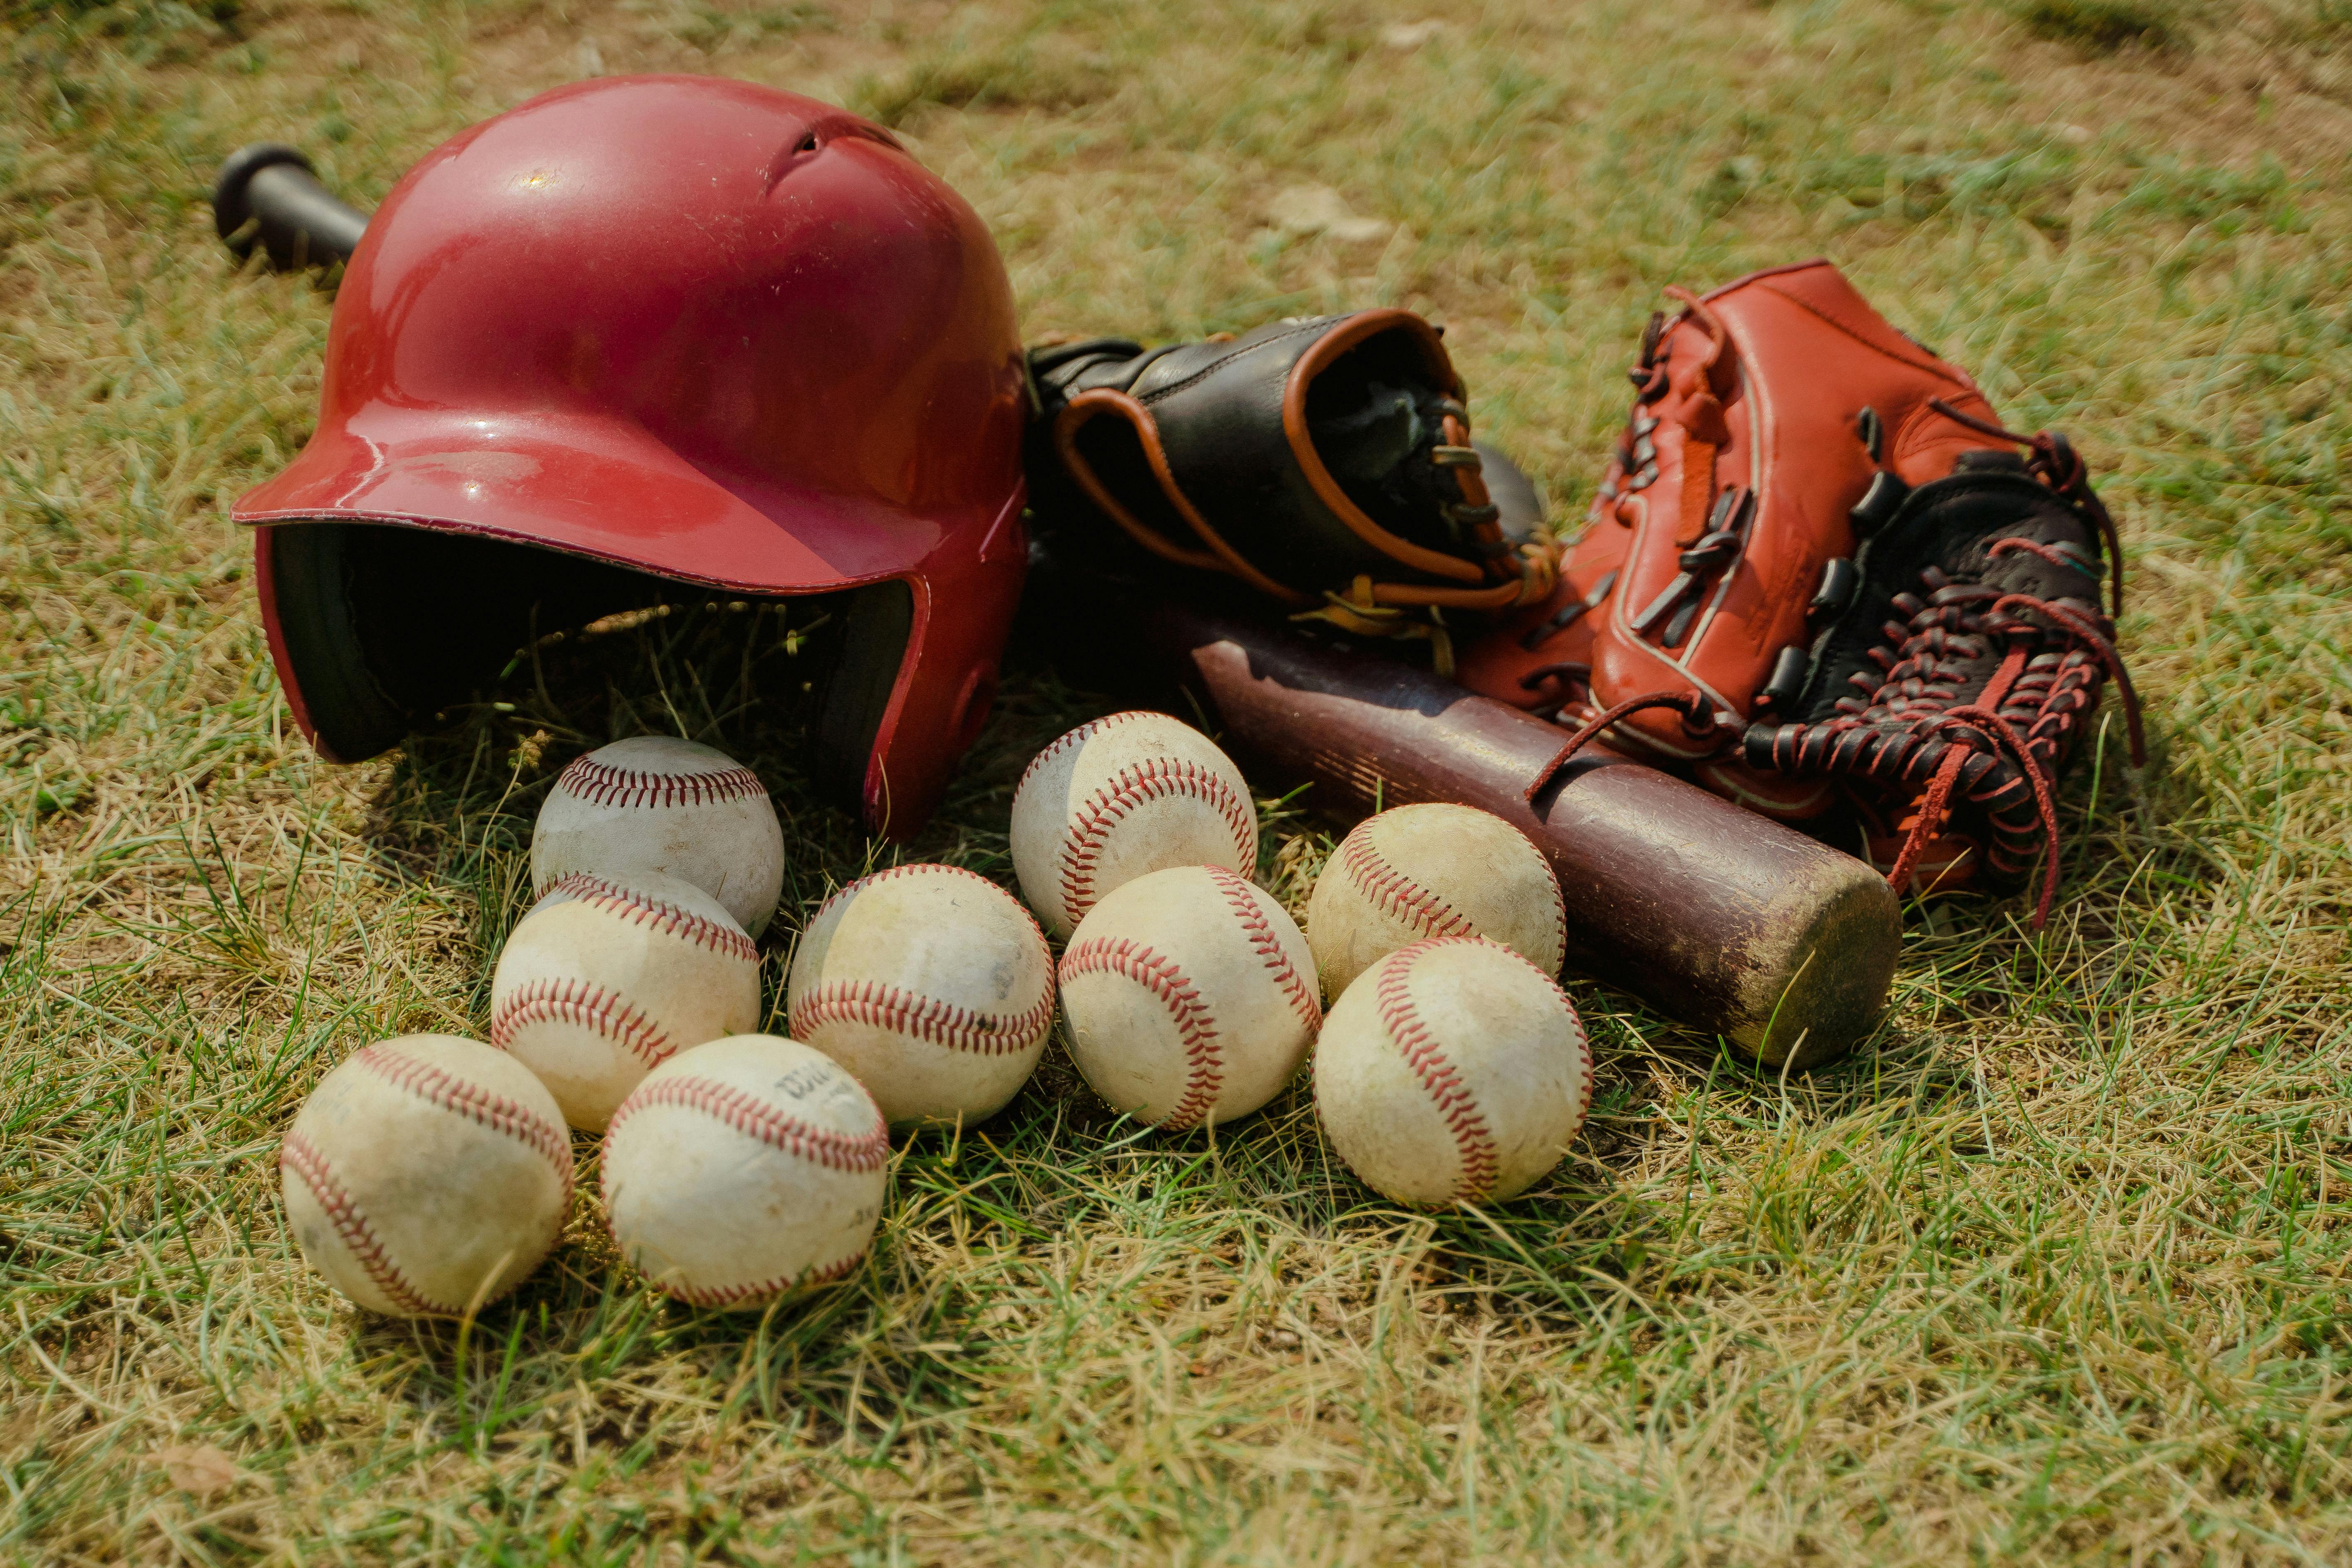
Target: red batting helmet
691	328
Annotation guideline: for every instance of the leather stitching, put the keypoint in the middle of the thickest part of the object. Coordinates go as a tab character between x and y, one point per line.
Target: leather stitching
644	909
309	1166
726	1295
1316	324
1132	961
889	1006
1267	944
884	1005
602	784
1069	742
754	1117
584	1004
1481	1162
1394	893
485	1107
1159	778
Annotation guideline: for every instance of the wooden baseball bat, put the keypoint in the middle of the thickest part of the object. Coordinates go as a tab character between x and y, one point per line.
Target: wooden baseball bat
1727	922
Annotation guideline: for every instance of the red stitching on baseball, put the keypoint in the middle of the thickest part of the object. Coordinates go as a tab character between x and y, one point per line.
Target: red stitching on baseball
1131	960
302	1157
1267	944
726	1295
1159	778
943	1024
584	1004
894	872
1064	742
1481	1163
1559	928
1585	1051
755	1118
604	783
485	1107
641	909
1394	893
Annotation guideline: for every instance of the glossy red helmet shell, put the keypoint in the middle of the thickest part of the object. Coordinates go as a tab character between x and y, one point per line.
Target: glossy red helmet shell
698	329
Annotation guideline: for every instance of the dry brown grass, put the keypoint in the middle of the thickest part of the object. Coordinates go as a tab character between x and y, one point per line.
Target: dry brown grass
2053	1270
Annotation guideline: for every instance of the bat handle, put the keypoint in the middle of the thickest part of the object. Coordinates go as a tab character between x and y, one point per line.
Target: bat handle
267	192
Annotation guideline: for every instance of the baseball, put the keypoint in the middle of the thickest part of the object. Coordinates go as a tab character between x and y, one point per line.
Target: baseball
743	1169
1189	997
603	982
1119	798
932	985
1419	871
1455	1071
426	1175
656	806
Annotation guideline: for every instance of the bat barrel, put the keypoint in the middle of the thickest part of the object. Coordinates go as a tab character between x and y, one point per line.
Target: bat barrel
1727	921
267	195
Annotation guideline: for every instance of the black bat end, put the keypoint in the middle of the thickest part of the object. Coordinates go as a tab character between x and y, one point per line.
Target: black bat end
232	204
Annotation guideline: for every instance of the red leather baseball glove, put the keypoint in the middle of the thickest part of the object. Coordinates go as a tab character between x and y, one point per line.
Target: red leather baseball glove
1821	577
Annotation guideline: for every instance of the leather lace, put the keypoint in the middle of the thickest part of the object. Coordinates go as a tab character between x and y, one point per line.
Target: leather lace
1698	719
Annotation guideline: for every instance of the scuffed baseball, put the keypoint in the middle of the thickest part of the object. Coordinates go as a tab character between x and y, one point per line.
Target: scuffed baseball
1419	871
604	981
932	985
1121	797
653	806
743	1169
426	1175
1189	997
1453	1071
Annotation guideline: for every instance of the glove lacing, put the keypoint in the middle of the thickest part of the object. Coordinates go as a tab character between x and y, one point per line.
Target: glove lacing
1901	728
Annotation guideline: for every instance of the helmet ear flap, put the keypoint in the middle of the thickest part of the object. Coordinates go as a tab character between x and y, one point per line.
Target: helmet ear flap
877	622
321	658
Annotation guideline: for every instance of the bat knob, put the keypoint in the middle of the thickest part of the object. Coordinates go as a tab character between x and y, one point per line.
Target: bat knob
268	194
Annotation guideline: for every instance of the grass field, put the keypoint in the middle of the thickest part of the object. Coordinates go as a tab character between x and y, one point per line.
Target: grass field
2053	1269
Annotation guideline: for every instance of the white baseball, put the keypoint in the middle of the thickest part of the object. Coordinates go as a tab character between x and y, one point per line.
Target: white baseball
744	1169
1189	997
603	981
656	806
1454	1071
1118	798
1419	871
426	1175
932	985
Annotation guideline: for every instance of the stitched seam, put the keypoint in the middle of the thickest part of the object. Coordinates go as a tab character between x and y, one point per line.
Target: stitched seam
584	1004
1159	778
1067	741
602	784
485	1107
889	873
1267	944
1132	961
302	1157
863	1153
725	1295
887	1006
644	909
1394	893
1315	326
1481	1163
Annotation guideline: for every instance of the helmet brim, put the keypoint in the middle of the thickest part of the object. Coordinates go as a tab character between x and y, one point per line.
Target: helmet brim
604	487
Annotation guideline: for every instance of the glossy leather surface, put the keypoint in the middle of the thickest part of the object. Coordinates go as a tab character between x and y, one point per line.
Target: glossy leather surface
1805	355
